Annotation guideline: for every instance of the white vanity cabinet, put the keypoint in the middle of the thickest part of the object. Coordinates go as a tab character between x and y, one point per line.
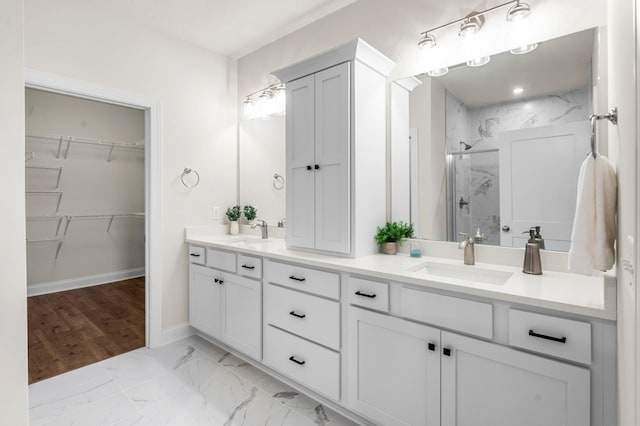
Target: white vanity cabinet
336	148
302	325
404	373
226	306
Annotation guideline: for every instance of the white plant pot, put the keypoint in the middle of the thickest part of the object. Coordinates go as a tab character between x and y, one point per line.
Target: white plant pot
390	248
234	228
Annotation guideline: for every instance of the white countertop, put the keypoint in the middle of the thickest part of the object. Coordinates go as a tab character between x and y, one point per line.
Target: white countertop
593	296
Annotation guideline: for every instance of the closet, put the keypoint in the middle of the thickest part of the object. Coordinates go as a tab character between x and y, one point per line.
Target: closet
85	227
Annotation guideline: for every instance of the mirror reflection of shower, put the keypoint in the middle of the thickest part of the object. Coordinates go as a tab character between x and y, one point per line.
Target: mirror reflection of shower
474	195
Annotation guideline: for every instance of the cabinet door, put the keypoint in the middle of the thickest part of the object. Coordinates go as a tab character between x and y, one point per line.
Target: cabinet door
241	314
484	384
332	183
204	299
394	374
300	163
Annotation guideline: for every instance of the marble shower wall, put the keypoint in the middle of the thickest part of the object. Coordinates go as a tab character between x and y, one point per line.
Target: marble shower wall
477	175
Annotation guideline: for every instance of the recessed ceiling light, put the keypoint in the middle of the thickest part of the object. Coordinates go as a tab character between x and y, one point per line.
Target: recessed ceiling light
518	12
518	90
478	62
427	41
438	72
524	49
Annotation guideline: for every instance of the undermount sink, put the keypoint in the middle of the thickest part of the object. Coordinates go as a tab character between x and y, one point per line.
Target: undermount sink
469	273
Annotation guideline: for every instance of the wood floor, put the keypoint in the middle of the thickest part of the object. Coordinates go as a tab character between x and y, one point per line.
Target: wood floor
71	329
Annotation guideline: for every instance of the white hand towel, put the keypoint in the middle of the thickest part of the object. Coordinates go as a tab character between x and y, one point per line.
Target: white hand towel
594	225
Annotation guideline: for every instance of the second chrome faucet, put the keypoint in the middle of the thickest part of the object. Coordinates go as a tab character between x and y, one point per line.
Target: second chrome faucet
263	227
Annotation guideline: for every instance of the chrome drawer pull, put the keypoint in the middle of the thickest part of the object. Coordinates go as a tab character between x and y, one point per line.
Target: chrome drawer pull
248	267
293	313
293	277
542	336
370	296
292	359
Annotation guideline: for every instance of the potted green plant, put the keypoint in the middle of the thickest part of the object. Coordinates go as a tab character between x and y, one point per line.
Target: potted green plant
233	214
250	212
391	234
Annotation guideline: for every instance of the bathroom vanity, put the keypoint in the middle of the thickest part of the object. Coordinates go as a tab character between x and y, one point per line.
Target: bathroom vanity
395	340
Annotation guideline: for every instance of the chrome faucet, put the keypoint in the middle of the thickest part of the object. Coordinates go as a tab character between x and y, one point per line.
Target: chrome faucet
263	227
467	245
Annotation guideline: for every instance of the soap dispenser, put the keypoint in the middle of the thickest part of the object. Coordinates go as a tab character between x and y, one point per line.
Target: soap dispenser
532	263
538	237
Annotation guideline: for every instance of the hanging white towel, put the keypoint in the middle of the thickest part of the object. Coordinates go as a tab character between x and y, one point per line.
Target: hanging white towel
594	225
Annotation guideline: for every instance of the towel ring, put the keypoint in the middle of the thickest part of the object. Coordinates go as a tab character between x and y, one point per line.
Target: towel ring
186	172
278	182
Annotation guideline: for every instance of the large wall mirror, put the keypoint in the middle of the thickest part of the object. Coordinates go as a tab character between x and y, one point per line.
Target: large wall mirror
262	178
498	147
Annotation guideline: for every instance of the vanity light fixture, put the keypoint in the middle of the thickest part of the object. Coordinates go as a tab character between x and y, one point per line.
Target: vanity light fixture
438	72
472	23
518	12
524	49
427	41
478	62
265	103
470	26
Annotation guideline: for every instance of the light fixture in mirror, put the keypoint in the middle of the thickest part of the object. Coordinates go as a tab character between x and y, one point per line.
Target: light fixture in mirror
478	62
470	26
438	72
492	162
522	50
427	41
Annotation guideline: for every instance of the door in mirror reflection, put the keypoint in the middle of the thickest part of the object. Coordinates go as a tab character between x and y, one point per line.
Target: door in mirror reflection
539	170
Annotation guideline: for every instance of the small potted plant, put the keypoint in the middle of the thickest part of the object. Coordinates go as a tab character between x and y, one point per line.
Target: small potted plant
250	212
233	214
391	234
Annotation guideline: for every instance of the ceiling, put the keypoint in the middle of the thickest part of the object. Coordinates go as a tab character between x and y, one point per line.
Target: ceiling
556	66
228	27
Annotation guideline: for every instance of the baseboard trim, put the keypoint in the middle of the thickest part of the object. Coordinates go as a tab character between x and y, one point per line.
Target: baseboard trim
177	332
74	283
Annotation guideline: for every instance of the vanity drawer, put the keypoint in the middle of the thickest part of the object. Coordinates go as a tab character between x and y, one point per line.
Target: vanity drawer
463	315
196	255
312	365
249	266
559	337
221	259
370	294
310	280
308	316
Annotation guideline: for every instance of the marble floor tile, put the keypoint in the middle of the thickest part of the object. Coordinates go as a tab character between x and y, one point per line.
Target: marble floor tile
189	382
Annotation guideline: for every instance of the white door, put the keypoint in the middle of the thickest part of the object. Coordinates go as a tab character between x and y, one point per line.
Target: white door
242	314
484	384
300	194
331	165
539	170
394	373
204	299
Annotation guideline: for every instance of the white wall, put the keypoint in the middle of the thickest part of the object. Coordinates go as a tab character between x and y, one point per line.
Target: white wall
622	50
91	185
196	89
13	300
